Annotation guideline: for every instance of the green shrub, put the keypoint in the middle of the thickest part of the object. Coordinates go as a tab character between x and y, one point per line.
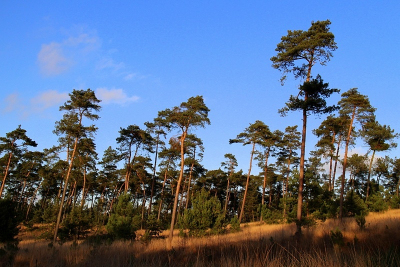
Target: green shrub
337	237
360	220
353	204
205	213
235	224
75	224
376	203
271	216
122	223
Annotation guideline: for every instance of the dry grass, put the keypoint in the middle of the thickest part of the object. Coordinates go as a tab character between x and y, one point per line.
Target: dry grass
256	245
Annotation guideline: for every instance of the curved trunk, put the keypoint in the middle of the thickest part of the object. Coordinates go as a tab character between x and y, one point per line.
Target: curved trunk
247	184
171	230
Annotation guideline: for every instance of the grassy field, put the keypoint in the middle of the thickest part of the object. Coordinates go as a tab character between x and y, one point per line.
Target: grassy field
327	244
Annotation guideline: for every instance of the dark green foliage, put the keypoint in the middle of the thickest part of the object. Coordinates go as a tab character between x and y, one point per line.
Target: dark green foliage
376	203
311	46
153	226
50	213
206	213
394	202
75	225
235	224
354	204
360	220
337	237
122	223
8	221
271	215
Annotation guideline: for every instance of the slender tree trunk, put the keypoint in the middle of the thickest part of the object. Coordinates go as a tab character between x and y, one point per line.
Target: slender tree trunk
335	167
331	163
162	193
265	180
247	184
83	188
189	183
171	230
153	181
5	174
227	192
369	175
65	190
301	174
32	201
345	164
286	184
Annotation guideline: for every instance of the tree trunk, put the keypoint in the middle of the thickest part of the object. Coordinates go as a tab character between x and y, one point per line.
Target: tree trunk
64	191
190	180
345	164
247	184
171	230
369	175
162	193
154	175
301	174
5	174
335	167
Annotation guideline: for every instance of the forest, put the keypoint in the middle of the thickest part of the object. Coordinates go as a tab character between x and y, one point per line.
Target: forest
152	181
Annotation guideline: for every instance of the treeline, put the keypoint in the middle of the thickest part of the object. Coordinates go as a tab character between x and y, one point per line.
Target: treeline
152	178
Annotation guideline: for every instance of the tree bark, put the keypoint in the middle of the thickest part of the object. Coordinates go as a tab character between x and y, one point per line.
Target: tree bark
247	184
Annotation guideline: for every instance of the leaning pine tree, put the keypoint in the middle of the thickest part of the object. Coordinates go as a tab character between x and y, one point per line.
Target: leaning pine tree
81	105
186	116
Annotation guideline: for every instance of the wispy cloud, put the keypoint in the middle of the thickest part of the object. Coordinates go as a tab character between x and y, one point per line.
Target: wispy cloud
58	57
51	59
109	63
39	104
11	103
114	96
48	99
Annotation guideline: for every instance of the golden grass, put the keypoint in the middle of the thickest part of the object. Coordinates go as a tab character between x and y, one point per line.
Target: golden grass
256	245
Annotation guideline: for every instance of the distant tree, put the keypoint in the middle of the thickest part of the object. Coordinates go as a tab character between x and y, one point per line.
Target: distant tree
131	139
287	154
269	146
229	164
252	135
379	138
14	144
358	171
194	150
190	114
381	168
330	132
158	127
358	108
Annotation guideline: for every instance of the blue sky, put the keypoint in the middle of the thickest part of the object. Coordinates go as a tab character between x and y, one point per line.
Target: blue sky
141	57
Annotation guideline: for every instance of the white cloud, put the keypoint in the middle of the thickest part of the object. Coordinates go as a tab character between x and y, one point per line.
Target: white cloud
57	57
12	102
114	96
51	59
48	99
